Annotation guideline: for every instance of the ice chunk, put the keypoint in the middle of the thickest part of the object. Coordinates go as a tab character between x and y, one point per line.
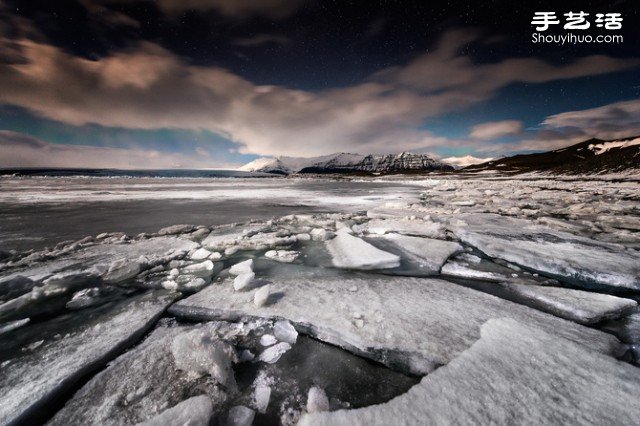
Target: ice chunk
202	270
262	392
417	227
317	400
36	378
88	297
273	353
12	325
145	381
351	252
176	229
261	296
201	254
122	270
199	352
243	280
457	269
576	305
321	234
418	324
579	260
193	284
428	253
286	256
514	372
285	332
240	416
268	340
242	267
195	411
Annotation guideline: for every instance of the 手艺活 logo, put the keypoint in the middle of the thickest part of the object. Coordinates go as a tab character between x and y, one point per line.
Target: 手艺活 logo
580	21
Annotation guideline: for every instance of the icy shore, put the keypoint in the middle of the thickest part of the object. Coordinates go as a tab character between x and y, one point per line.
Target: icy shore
522	294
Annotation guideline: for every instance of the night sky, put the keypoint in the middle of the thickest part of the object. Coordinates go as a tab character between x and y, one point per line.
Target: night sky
216	83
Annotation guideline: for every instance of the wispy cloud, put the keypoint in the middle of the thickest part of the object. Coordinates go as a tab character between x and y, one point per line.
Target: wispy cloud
616	120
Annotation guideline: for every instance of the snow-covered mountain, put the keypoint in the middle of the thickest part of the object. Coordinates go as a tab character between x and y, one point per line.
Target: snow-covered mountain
347	163
593	156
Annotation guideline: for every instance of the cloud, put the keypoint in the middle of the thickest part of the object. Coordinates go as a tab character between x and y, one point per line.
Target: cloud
148	87
465	161
261	39
611	121
496	129
446	69
616	120
20	150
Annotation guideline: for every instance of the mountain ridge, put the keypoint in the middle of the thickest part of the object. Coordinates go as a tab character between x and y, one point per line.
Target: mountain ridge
593	156
347	163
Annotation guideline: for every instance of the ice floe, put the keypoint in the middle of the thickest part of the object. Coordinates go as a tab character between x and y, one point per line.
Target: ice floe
36	378
350	252
514	373
575	259
195	411
412	324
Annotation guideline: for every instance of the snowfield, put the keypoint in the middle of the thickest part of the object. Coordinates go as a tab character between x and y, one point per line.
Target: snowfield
482	300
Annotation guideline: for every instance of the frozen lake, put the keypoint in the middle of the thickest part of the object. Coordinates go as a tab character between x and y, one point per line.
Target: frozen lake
37	212
328	302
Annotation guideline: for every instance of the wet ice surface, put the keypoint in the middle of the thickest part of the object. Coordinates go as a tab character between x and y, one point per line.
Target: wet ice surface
514	286
39	212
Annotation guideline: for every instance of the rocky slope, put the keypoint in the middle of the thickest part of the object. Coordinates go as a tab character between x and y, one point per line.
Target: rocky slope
593	156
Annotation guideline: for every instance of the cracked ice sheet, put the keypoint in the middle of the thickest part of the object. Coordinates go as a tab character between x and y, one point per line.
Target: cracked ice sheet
581	306
411	324
142	383
515	374
103	255
579	260
34	378
424	256
351	252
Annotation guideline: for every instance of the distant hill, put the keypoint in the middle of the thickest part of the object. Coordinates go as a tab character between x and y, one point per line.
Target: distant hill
594	156
346	163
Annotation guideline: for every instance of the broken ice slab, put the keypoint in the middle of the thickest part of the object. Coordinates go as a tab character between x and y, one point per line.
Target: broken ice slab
515	374
350	252
142	383
195	411
412	324
416	227
101	257
580	306
577	260
38	367
419	256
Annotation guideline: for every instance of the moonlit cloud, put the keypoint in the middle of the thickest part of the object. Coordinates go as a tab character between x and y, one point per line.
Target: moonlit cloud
148	87
620	119
616	120
19	150
496	129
